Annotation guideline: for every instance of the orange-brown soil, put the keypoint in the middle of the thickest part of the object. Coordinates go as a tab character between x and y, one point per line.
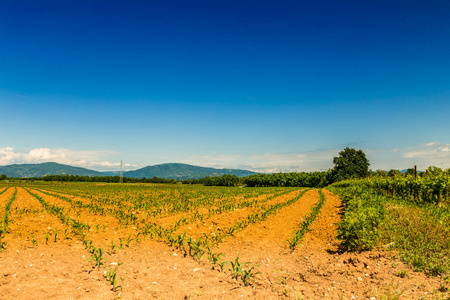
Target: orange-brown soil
169	221
227	219
30	221
103	229
8	192
153	270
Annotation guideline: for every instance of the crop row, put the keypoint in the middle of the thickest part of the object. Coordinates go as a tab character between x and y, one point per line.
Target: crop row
81	230
195	248
160	202
77	226
428	188
307	221
206	204
4	190
203	245
130	215
6	219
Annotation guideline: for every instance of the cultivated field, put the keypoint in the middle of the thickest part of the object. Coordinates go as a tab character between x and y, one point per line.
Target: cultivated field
91	241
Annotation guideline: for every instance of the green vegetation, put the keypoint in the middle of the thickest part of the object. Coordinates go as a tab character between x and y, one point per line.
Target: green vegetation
403	213
224	180
421	233
238	271
6	219
292	179
430	187
43	169
108	179
303	179
135	205
350	163
304	226
364	210
111	276
383	210
170	171
184	171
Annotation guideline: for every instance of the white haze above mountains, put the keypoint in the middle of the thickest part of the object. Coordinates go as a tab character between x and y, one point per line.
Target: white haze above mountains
81	158
424	155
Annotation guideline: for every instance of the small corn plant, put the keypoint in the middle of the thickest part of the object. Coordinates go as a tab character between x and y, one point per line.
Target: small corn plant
111	276
97	256
246	275
33	240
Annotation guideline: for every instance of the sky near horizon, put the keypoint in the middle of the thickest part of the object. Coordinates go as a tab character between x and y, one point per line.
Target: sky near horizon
267	86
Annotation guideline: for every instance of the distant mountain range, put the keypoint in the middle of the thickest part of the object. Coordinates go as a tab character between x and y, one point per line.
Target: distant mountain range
183	171
169	171
50	168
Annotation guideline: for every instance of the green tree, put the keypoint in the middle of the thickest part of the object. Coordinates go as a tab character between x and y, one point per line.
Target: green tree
433	170
394	173
410	171
379	173
350	163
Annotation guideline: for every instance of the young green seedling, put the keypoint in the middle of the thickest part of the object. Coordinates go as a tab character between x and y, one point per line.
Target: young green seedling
33	240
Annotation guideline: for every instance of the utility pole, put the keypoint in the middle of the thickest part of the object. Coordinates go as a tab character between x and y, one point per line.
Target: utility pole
121	173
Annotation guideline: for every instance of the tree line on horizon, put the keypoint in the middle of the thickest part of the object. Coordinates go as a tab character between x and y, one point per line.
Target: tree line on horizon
107	179
350	163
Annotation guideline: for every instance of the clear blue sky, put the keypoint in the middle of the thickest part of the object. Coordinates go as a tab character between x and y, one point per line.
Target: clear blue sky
263	85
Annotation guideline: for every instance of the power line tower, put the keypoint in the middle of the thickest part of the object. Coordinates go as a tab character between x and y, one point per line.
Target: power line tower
121	173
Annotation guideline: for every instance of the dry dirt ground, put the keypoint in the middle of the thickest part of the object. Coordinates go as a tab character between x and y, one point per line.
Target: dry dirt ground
153	270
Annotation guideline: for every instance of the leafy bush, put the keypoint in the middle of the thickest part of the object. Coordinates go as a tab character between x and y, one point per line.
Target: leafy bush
364	211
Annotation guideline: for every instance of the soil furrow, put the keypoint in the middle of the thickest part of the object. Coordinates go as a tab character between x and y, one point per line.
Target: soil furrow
277	228
227	219
150	269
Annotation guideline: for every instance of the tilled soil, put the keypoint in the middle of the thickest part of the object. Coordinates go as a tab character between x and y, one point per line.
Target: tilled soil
150	269
227	219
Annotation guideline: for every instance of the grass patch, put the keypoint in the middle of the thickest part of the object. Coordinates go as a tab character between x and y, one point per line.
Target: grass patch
420	232
422	239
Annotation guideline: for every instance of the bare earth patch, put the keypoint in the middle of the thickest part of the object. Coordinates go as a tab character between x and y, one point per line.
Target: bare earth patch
153	270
